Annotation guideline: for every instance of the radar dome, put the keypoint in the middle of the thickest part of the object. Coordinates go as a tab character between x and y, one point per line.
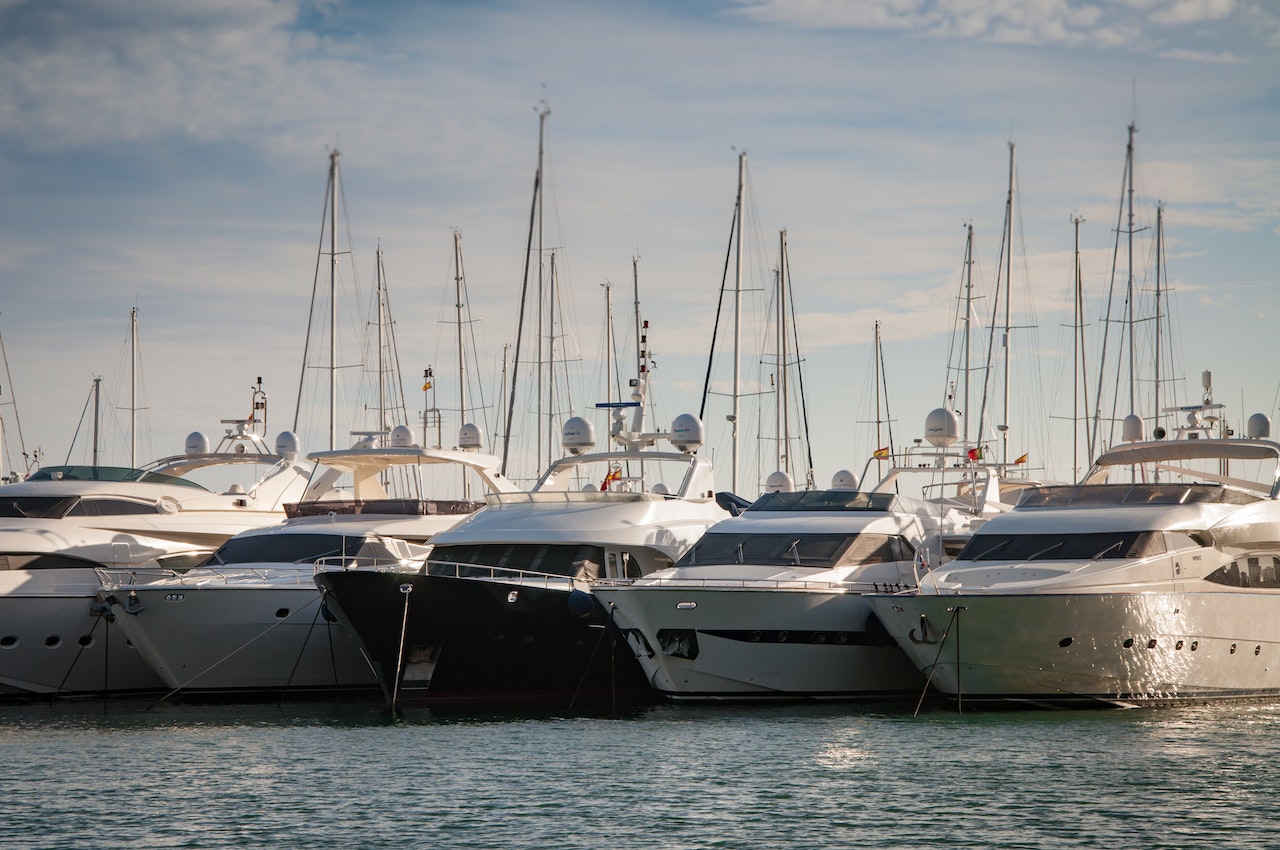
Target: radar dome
287	445
1131	430
578	435
844	480
197	444
470	437
941	427
687	433
779	482
1259	427
402	437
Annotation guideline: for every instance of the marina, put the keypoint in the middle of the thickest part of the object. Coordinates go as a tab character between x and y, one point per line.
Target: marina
937	506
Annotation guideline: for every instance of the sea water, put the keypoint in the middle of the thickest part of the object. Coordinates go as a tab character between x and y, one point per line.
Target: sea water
133	775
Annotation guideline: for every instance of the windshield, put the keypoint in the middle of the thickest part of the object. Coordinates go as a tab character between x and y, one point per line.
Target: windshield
107	473
824	551
299	549
1064	547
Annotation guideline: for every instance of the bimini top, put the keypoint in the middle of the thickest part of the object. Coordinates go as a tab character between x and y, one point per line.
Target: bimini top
1171	457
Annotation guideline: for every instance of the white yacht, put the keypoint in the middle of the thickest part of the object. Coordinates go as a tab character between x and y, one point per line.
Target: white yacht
1154	580
502	611
252	618
66	528
770	605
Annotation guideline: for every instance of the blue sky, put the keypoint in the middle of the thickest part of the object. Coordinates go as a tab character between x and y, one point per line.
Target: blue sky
173	157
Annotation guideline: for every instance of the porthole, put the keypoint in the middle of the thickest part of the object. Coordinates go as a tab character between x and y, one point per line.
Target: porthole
1065	642
8	641
841	637
755	636
282	613
1151	644
1233	649
53	641
820	637
1257	650
85	641
1128	643
782	637
1195	644
1178	645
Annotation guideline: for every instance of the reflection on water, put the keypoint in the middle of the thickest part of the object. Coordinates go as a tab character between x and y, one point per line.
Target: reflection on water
316	775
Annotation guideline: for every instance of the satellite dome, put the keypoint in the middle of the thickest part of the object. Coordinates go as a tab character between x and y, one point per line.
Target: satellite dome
1259	427
402	437
779	482
470	437
287	445
844	480
687	433
1131	429
941	427
197	443
578	435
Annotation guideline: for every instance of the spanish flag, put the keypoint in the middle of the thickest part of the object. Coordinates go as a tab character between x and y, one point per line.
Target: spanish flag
426	386
975	453
1022	459
881	453
613	475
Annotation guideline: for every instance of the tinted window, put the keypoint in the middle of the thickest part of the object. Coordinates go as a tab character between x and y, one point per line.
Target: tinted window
41	507
551	558
112	507
298	549
1063	547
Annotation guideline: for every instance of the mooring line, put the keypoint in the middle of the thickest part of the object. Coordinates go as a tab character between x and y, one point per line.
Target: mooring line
955	612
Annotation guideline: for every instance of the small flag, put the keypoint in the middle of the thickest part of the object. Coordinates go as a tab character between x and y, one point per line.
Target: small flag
613	475
1022	459
426	386
975	453
881	453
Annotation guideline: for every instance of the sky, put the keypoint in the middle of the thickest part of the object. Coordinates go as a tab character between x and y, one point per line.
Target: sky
173	158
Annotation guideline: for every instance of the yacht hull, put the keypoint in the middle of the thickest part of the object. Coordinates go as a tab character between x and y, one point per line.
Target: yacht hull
226	639
744	644
57	640
1119	649
444	640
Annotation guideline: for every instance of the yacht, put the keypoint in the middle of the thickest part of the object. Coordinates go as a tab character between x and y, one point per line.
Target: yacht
252	619
502	611
1155	579
66	529
770	605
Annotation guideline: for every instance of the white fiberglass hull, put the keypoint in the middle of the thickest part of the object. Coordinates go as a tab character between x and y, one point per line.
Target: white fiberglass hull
244	636
56	640
1111	648
704	644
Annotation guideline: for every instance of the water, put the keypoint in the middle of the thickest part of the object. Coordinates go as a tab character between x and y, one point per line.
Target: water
308	776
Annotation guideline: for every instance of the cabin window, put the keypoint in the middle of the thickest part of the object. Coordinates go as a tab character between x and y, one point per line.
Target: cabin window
112	507
43	561
821	551
39	507
1254	571
300	549
470	559
1064	547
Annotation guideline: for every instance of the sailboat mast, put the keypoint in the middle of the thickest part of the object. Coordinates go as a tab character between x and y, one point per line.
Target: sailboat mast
97	417
1008	296
458	308
541	299
968	323
382	320
781	424
333	300
876	379
737	323
1080	373
524	297
1129	288
133	387
1159	293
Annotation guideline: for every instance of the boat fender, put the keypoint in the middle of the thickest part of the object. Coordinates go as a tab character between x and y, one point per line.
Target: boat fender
581	604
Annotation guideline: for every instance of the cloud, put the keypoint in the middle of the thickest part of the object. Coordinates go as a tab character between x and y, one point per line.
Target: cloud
1141	25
